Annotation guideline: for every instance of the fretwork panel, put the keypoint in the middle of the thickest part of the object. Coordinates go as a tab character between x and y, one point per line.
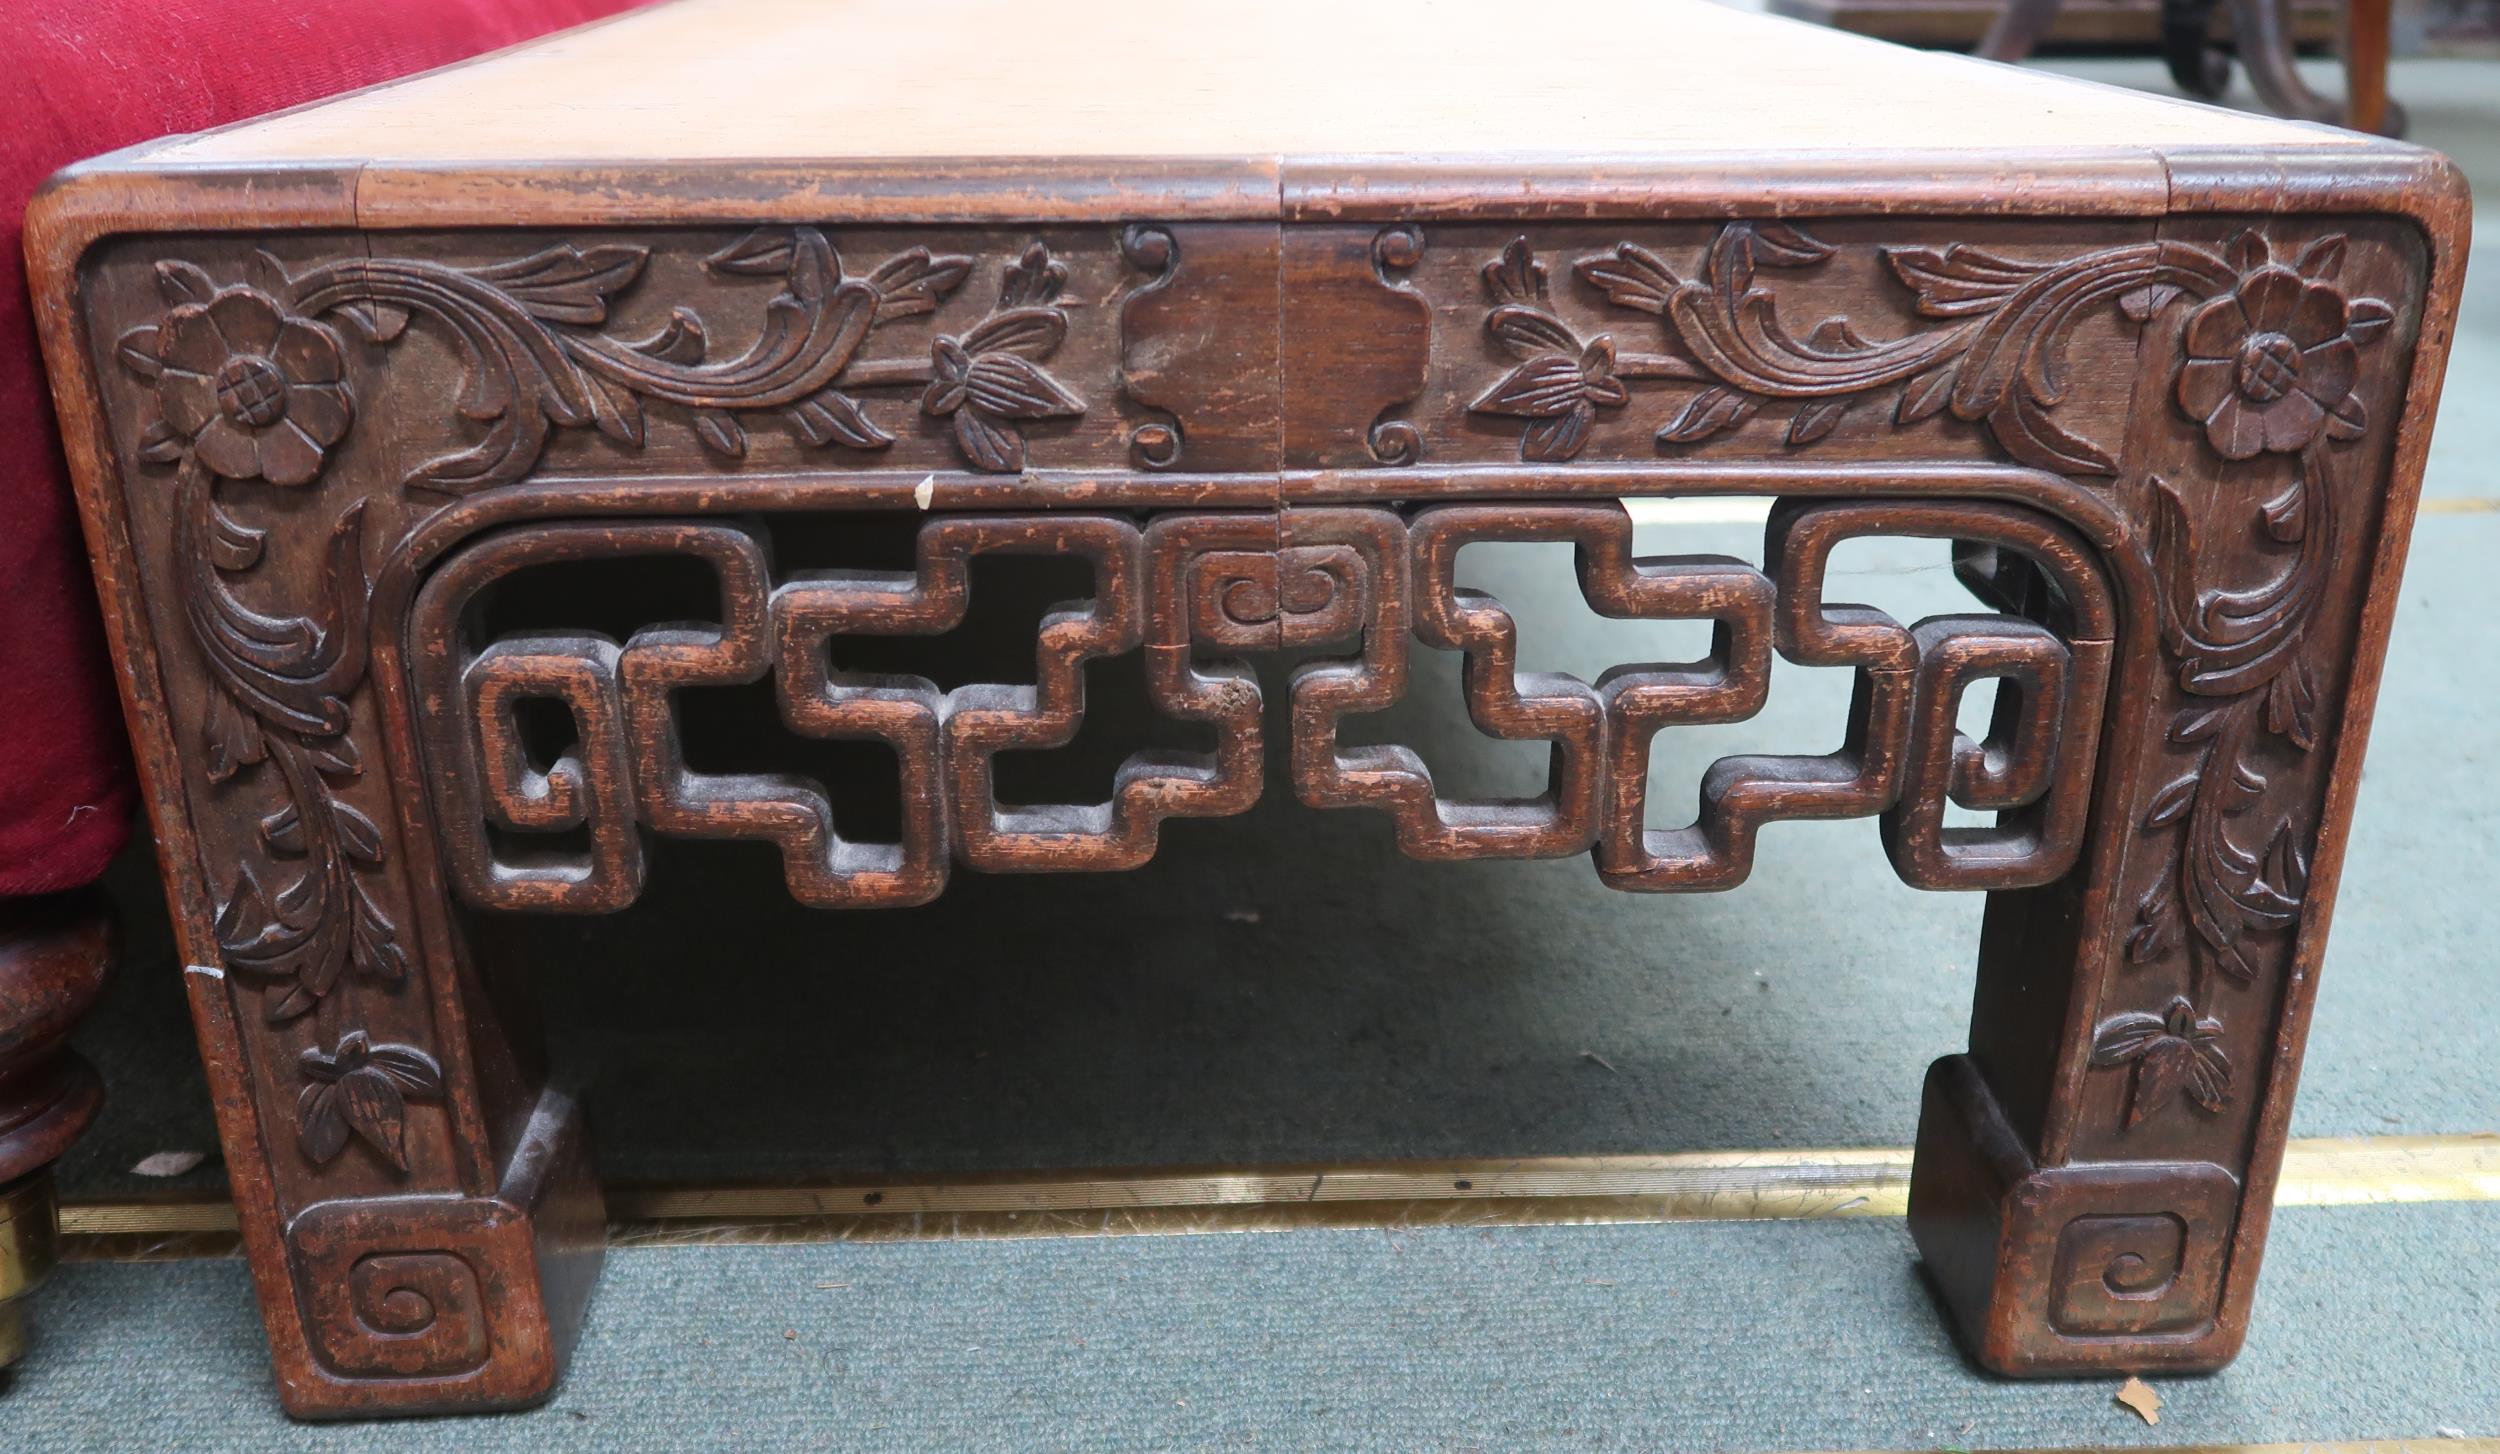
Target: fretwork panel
1357	586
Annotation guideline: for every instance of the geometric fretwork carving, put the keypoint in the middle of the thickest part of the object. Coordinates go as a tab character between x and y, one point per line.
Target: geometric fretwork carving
1197	594
943	742
1903	758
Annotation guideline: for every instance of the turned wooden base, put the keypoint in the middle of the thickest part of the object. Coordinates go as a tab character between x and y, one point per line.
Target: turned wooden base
54	953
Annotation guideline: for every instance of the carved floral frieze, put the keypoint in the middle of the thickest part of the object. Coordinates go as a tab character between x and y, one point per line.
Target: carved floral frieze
250	385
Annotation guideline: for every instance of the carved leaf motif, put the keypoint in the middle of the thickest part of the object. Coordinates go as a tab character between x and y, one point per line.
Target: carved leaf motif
1558	438
1712	411
1033	280
181	282
915	282
320	1128
766	252
530	372
1516	276
357	834
375	1110
1783	245
283	831
833	417
362	1089
373	944
987	445
1012	387
336	756
2370	319
1032	333
2322	259
2001	361
1817	419
231	736
2173	1052
720	433
1926	395
992	375
137	351
2172	802
1631	277
2348	420
1531	332
2157	934
567	284
1958	281
1541	388
615	410
160	444
680	342
2291	706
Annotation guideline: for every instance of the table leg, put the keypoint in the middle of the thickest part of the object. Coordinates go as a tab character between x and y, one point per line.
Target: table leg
2366	41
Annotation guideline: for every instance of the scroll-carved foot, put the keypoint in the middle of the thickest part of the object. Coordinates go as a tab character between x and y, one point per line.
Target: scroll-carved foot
433	1304
2070	1269
53	955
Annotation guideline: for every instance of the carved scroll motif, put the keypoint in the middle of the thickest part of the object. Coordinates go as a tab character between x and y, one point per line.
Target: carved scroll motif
1998	358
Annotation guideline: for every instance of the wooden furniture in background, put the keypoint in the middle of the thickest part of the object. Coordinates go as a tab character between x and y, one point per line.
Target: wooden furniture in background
2263	33
1262	348
1961	24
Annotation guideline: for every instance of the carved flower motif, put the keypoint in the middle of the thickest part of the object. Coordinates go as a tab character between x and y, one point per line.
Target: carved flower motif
2172	1052
2271	364
363	1088
1562	380
992	376
253	390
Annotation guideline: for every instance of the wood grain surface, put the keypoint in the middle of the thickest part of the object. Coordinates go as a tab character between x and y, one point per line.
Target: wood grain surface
798	79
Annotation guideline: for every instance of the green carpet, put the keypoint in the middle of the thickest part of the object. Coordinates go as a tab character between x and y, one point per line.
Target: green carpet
1727	1336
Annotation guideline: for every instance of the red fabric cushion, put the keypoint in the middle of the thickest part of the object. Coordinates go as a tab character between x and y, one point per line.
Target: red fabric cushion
84	78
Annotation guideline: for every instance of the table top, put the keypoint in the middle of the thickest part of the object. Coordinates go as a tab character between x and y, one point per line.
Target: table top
837	80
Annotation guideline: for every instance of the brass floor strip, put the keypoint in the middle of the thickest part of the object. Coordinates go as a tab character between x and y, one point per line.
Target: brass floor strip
2441	1445
1691	1186
2460	505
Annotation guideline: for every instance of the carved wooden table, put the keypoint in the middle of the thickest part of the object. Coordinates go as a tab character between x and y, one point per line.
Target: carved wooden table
1384	285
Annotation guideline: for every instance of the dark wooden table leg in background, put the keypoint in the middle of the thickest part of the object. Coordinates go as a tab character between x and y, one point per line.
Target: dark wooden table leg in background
53	955
2262	35
2367	106
2018	30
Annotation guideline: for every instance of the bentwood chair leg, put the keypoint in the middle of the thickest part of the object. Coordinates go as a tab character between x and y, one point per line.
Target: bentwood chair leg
2018	29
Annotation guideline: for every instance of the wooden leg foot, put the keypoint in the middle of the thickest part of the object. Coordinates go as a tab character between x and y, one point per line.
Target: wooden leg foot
429	1304
2067	1270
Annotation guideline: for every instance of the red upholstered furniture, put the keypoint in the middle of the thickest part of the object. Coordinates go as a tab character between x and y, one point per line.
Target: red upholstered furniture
82	79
